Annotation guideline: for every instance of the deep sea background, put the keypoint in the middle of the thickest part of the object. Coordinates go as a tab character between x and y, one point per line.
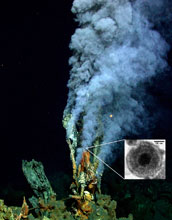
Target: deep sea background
34	53
34	70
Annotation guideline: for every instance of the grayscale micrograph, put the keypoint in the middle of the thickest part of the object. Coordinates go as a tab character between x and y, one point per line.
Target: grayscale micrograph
145	159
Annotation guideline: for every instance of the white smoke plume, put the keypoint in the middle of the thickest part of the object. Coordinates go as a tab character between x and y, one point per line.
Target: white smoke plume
115	50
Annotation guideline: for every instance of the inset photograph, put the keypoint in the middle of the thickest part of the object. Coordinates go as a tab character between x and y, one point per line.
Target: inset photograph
145	159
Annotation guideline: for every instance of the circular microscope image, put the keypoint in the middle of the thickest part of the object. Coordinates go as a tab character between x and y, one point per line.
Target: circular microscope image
145	160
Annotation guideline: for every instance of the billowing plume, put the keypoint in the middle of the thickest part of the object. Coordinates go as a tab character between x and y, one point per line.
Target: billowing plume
115	50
